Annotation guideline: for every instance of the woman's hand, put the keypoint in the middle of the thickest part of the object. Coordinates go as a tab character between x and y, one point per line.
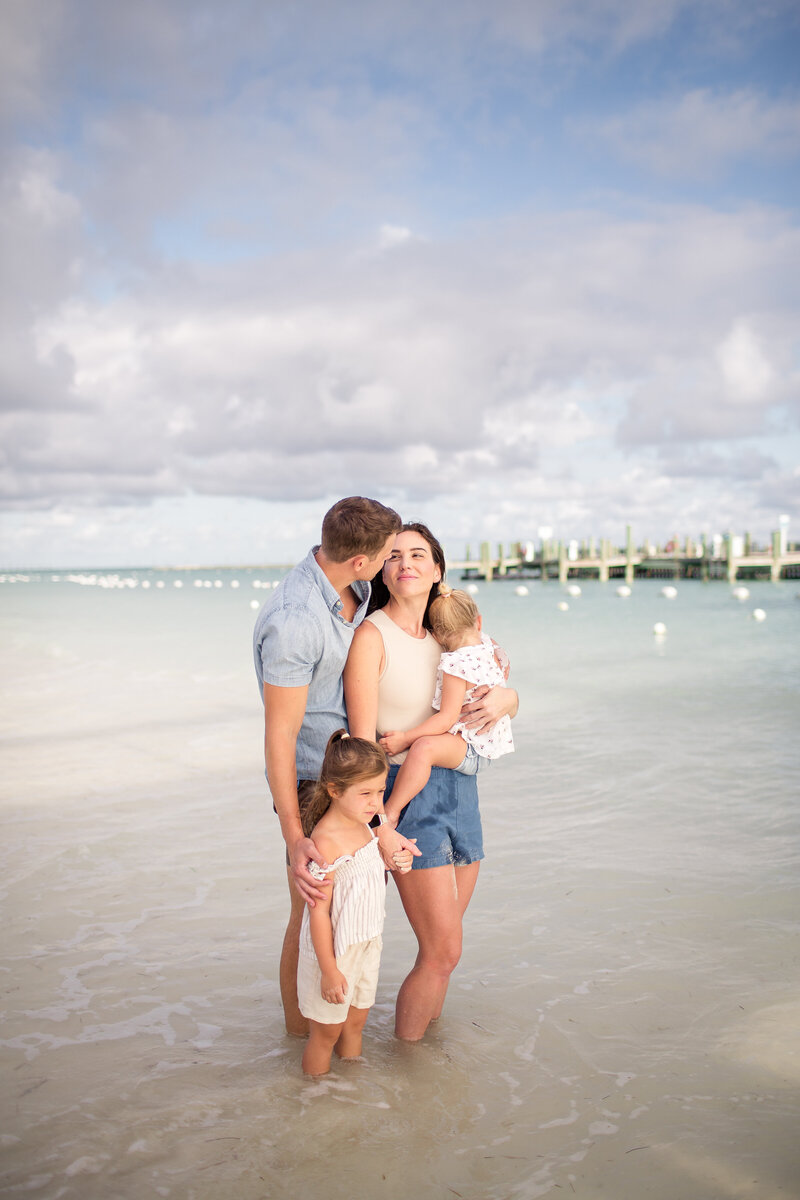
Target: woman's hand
396	851
403	859
487	706
394	742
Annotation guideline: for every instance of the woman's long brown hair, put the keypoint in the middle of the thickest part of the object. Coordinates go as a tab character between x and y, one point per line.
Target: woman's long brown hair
380	592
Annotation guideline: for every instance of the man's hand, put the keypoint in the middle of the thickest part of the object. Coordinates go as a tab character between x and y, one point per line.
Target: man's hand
310	889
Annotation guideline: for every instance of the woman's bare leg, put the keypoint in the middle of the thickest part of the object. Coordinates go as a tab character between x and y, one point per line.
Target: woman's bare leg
466	878
434	900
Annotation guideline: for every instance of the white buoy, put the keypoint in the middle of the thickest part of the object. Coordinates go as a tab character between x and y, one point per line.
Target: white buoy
254	604
623	590
573	590
659	629
521	590
472	588
234	583
759	614
178	583
563	606
741	593
670	592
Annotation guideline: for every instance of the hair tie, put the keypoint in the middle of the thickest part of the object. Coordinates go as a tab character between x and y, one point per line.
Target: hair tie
343	736
445	589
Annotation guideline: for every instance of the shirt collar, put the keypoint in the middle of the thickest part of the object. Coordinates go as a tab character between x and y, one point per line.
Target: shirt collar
361	588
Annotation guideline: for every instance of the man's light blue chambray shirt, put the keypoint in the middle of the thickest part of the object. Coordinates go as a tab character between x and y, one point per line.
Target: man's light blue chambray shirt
301	639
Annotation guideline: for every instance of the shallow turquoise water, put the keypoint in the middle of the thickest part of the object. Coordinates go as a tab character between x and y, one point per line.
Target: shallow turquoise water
624	1020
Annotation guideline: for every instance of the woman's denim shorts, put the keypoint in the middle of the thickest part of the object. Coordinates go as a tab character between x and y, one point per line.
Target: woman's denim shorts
444	818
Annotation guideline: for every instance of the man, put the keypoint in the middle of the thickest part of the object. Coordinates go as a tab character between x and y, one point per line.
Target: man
301	639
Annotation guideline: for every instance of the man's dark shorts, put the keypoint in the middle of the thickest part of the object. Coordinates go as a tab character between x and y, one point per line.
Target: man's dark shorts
305	794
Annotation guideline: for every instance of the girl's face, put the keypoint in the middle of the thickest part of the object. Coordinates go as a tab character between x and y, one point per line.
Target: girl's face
362	799
410	569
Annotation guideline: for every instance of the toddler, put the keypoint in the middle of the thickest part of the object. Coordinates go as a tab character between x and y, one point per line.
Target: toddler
470	660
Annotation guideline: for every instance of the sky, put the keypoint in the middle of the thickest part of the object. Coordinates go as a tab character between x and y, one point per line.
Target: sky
505	265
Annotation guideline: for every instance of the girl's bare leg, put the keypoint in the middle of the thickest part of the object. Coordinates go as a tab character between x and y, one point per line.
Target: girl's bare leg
319	1047
439	750
348	1044
435	900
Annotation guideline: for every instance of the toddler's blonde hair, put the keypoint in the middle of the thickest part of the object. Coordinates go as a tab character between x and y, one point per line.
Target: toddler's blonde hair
453	613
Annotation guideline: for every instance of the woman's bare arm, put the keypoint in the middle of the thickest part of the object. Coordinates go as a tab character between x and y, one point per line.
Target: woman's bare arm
361	675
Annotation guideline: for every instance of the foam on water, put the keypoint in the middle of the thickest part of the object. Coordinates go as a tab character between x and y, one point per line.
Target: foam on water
625	1017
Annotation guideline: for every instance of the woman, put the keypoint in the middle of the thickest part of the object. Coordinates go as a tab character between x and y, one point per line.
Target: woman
389	682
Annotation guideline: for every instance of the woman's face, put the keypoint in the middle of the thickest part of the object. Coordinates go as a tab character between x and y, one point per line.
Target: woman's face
410	569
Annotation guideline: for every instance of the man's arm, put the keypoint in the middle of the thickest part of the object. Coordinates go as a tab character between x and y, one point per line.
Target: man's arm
284	709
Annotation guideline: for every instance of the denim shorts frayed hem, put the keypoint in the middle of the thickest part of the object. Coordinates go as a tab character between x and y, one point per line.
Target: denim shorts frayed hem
444	818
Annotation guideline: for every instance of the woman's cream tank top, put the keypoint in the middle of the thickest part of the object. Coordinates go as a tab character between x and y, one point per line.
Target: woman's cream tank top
408	680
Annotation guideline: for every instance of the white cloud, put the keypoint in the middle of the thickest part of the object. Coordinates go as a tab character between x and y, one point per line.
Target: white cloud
213	282
390	236
747	373
702	132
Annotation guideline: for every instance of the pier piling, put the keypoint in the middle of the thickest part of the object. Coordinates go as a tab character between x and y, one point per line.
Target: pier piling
729	558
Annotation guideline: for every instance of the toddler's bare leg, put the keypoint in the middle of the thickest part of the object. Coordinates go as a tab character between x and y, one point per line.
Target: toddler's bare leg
319	1047
349	1043
442	750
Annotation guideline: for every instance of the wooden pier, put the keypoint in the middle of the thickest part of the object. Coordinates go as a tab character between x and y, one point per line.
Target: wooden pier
728	559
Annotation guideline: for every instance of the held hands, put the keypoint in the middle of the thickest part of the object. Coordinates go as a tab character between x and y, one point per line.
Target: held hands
396	851
402	860
394	742
333	987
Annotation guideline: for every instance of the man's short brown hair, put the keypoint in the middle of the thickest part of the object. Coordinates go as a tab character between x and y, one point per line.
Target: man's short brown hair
357	525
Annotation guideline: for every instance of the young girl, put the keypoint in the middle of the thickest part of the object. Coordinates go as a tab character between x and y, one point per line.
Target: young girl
470	660
340	938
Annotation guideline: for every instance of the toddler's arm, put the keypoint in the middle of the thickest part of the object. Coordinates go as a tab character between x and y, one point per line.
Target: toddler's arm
334	983
453	692
502	660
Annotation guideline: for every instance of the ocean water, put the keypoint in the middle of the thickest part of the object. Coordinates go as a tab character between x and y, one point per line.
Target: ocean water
625	1020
